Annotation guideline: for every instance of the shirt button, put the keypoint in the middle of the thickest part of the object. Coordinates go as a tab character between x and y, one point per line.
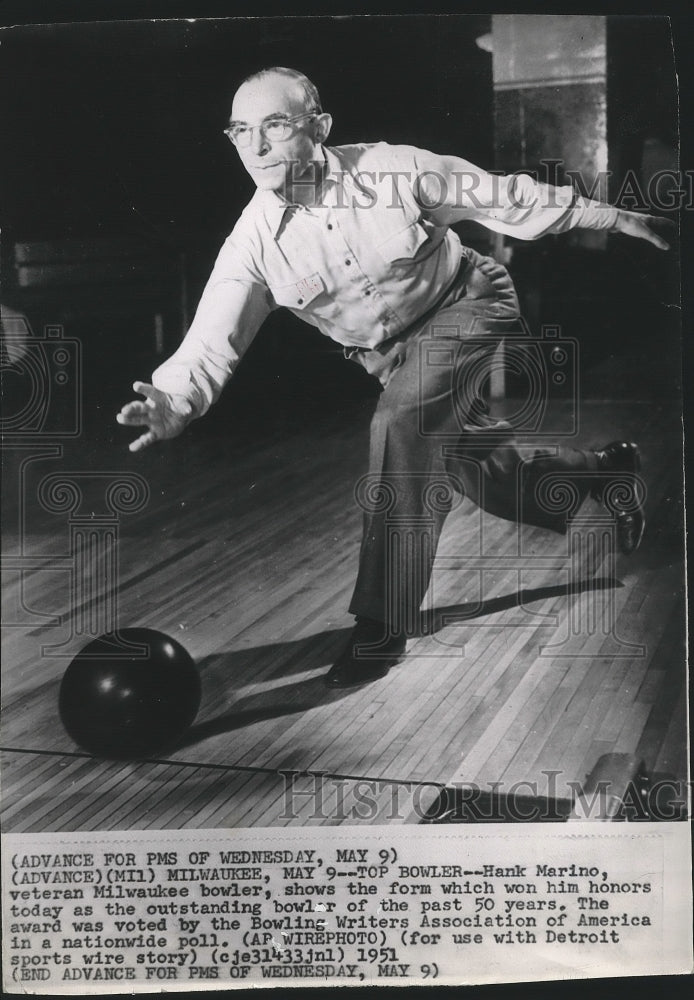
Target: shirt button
301	302
330	225
367	292
348	262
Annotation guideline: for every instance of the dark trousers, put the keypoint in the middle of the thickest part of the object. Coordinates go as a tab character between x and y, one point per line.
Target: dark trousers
432	440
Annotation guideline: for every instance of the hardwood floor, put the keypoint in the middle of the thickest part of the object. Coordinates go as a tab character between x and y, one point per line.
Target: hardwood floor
246	552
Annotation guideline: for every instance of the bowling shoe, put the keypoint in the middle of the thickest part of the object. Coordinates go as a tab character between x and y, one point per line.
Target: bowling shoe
613	459
357	664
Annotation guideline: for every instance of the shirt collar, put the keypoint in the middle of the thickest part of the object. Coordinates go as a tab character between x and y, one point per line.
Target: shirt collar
276	206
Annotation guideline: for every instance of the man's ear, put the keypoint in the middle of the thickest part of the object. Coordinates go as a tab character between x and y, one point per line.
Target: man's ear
323	125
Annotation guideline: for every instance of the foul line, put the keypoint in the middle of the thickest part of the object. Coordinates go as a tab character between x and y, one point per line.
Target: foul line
221	767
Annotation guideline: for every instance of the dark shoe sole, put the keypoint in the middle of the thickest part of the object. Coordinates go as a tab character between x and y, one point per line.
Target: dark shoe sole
624	534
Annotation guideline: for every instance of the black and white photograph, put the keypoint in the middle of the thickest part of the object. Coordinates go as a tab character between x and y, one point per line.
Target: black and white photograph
342	379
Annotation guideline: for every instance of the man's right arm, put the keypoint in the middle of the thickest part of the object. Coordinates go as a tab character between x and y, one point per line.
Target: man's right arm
232	308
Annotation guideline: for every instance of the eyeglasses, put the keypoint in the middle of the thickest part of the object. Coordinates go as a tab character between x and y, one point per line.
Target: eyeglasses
274	129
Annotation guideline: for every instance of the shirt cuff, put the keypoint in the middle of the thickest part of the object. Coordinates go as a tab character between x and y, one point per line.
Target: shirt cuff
177	381
587	214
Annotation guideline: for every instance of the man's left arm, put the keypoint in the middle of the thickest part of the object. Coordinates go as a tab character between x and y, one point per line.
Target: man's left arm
450	189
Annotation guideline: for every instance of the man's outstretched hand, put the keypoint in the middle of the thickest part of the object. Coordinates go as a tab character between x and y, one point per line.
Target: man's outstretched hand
156	413
653	228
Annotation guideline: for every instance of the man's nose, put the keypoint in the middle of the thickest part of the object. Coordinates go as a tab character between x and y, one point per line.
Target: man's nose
259	143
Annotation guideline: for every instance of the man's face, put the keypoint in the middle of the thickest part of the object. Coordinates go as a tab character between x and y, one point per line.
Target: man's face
274	165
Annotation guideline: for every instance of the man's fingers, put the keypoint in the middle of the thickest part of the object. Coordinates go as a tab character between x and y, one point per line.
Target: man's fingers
155	413
133	419
664	231
650	227
134	409
652	237
643	231
660	243
144	413
147	390
142	442
135	414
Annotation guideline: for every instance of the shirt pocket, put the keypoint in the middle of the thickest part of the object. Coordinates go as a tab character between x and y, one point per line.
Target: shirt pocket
299	293
403	244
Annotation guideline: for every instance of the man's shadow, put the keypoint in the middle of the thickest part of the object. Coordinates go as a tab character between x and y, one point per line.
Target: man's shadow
267	665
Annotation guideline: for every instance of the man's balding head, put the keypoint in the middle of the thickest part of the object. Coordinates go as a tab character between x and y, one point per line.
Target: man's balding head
272	94
308	89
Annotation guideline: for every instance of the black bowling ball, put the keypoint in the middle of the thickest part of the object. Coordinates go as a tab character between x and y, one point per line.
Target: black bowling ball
129	694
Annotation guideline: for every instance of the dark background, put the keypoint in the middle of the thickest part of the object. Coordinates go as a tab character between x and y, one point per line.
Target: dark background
114	129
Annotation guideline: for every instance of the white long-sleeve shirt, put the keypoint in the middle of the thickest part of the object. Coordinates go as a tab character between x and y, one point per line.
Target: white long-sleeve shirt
366	262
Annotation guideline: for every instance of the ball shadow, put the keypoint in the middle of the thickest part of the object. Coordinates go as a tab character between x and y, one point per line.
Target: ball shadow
270	663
